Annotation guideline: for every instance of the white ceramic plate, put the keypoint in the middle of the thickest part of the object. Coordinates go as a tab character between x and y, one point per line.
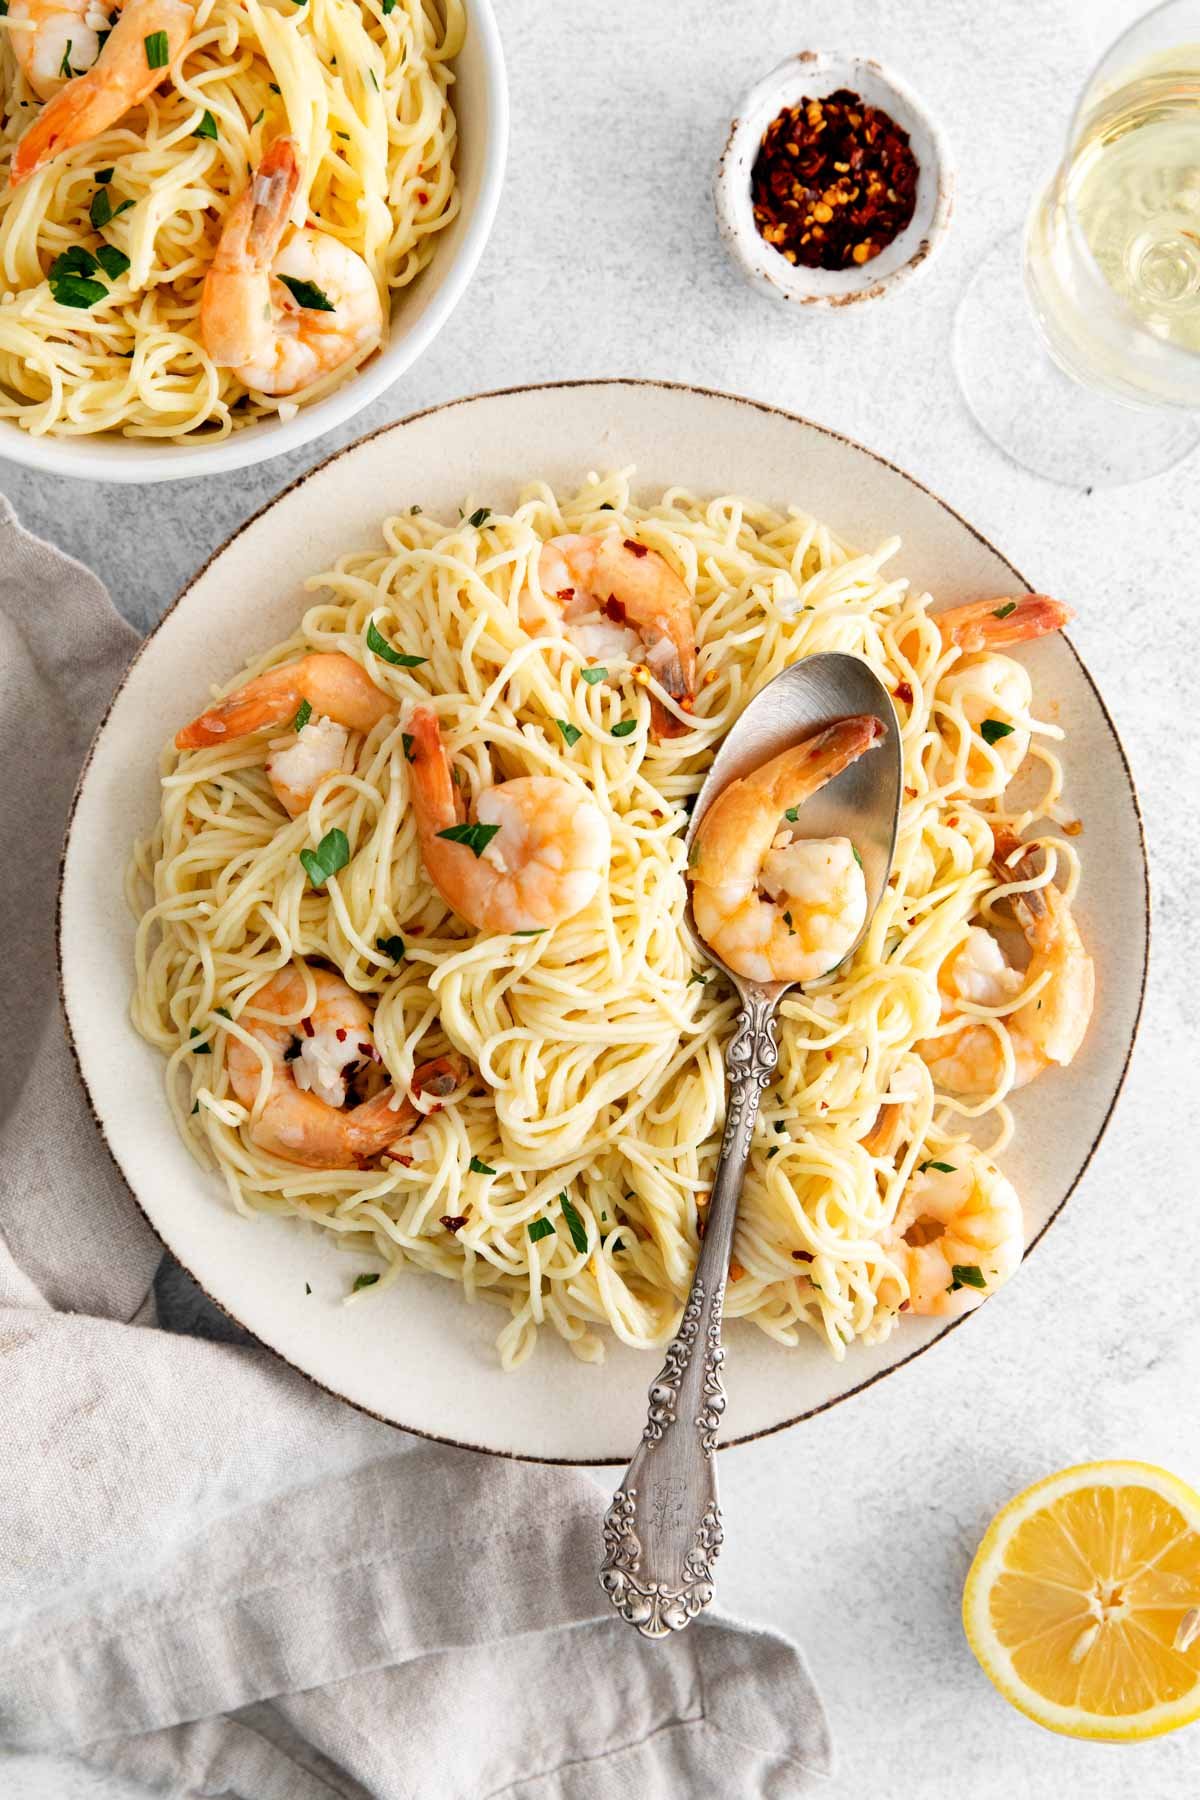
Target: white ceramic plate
420	1357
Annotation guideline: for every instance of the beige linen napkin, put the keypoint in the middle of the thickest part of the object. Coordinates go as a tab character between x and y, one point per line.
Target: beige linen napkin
214	1578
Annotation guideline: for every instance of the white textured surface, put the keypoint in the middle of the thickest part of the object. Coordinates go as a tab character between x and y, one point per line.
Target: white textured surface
855	1531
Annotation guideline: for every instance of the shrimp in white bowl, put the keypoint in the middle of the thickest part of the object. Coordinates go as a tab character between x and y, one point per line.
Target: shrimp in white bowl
283	312
301	1077
611	596
1045	1030
323	697
136	58
535	854
958	1234
773	905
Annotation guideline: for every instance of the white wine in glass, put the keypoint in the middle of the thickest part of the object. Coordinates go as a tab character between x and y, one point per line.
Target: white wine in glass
1078	348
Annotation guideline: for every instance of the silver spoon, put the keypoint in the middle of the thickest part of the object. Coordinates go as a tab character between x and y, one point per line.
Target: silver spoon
662	1532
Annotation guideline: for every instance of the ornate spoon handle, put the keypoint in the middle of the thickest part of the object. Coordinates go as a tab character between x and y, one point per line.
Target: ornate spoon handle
662	1532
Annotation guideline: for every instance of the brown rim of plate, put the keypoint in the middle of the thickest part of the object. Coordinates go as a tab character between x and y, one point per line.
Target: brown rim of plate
683	387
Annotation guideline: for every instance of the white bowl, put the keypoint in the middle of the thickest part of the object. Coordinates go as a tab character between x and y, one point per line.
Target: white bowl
818	73
480	98
418	1354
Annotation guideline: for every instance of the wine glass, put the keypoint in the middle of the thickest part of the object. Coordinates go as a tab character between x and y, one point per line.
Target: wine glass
1077	344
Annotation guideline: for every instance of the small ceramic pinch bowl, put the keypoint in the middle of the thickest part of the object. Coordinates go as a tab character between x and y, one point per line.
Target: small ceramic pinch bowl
815	74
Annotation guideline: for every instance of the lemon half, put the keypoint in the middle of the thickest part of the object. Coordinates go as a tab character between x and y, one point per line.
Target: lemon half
1083	1601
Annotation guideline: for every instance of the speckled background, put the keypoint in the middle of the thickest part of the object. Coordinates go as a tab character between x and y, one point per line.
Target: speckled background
854	1531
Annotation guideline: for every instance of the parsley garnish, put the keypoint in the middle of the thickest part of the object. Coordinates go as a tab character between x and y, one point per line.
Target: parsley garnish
387	6
476	837
64	67
592	676
942	1168
307	1289
258	121
966	1275
540	931
1002	612
575	1225
391	946
407	739
306	293
374	79
623	727
382	648
787	919
792	814
362	1281
330	855
207	128
696	979
114	262
102	176
992	730
856	856
273	88
303	715
571	733
477	1167
195	1103
540	1228
158	51
480	516
70	289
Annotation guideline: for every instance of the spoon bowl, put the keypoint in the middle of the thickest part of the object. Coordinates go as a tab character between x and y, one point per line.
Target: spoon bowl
663	1529
862	803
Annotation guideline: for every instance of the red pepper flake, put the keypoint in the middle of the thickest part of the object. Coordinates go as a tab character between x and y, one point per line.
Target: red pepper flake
306	1025
340	1035
422	197
637	549
802	1256
834	181
904	692
904	1305
406	1162
565	595
614	610
1073	827
454	1221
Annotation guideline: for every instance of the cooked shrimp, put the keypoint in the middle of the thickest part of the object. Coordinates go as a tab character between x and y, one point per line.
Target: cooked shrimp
773	905
536	854
125	72
990	686
54	40
312	1113
1050	1026
256	325
613	597
958	1235
342	698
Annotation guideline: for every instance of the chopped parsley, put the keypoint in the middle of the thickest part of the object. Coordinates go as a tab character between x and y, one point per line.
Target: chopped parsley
407	739
158	51
571	733
792	814
64	67
476	837
363	1281
387	6
102	176
374	79
787	919
696	979
391	946
307	1289
623	727
307	294
207	128
303	715
1002	612
330	855
856	856
478	1167
380	646
114	262
70	278
992	730
480	516
541	930
575	1225
966	1275
539	1229
592	676
941	1167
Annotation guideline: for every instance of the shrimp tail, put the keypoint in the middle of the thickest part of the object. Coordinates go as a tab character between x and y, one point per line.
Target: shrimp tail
999	624
821	757
439	801
252	708
378	1123
235	311
1014	861
62	122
